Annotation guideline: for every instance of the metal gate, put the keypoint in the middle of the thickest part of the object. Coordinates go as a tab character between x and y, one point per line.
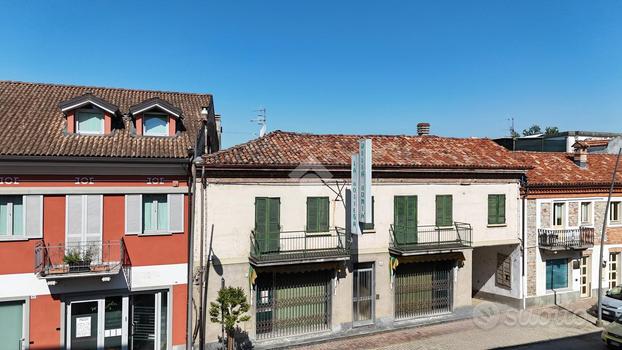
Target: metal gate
292	303
423	289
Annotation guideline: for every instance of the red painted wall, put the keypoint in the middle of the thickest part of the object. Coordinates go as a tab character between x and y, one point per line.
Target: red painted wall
19	256
107	123
45	323
71	122
180	293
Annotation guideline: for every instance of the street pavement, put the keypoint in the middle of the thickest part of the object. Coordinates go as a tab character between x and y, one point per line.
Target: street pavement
568	327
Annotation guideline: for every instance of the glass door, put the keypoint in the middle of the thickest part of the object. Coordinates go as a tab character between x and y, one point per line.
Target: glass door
363	294
98	324
149	321
12	325
83	325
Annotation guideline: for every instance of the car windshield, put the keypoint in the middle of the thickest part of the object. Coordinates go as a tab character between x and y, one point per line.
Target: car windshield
615	292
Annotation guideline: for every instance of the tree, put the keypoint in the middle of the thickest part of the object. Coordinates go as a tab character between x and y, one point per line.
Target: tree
514	134
551	130
533	130
229	310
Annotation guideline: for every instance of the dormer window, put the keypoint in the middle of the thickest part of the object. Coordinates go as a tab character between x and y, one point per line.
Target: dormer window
156	117
89	115
89	122
155	124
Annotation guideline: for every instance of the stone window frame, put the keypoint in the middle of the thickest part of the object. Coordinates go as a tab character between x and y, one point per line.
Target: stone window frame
564	214
590	213
612	222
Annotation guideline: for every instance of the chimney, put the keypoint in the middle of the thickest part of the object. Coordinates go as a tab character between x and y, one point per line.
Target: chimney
423	129
580	153
218	129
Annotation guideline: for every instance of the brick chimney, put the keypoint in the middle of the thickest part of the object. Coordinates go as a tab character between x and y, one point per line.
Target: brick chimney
580	153
423	129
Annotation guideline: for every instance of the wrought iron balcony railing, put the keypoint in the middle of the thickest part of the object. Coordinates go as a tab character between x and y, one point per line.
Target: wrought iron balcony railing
566	239
285	247
80	259
430	237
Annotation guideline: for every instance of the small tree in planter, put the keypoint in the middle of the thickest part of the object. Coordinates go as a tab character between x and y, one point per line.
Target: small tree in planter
229	310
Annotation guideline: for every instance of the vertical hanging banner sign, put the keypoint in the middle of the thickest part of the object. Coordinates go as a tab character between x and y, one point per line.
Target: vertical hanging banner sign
354	197
364	193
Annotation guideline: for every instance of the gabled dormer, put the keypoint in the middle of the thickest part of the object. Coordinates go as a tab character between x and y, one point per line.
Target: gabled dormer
89	115
156	117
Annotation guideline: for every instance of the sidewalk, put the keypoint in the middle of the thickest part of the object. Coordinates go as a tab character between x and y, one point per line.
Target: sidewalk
491	326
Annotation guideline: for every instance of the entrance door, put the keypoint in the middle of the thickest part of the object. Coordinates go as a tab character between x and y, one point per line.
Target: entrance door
84	325
268	224
97	324
363	294
149	321
12	325
586	276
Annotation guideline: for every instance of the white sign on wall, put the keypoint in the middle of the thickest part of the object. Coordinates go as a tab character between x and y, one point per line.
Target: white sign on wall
361	202
83	327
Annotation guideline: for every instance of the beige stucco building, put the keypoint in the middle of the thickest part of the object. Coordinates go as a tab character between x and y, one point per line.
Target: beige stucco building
446	216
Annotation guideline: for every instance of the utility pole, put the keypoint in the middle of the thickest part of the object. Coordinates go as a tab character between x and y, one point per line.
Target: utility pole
261	120
599	321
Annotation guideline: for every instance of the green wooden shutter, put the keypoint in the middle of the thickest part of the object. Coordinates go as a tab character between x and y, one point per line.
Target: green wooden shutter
312	214
399	218
274	223
411	219
492	206
444	210
323	214
260	222
501	209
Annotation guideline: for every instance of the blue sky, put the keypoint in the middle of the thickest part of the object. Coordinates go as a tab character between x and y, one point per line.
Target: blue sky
339	66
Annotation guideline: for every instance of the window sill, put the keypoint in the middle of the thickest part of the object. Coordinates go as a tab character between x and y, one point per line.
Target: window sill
368	231
496	225
165	233
318	234
17	239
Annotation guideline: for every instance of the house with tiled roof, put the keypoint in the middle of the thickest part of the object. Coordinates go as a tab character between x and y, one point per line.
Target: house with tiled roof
95	214
564	202
444	226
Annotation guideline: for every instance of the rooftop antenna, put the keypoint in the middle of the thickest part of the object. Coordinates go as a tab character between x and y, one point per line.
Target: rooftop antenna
512	129
261	120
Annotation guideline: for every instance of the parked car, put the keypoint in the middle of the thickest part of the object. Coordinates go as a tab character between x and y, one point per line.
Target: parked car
612	335
612	304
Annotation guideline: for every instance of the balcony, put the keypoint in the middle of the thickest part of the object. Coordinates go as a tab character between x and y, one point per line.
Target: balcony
566	239
430	238
81	259
294	247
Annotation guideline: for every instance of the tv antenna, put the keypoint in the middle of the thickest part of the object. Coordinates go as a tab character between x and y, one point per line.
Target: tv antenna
512	130
261	121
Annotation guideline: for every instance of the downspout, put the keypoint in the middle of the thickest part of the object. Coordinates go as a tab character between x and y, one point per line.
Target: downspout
525	184
203	296
191	192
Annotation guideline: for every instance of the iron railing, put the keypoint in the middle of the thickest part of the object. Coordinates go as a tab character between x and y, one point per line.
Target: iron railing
431	237
80	258
562	239
284	246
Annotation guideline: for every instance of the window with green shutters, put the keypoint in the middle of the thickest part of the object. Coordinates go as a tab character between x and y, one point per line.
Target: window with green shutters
267	223
317	214
405	219
496	209
444	210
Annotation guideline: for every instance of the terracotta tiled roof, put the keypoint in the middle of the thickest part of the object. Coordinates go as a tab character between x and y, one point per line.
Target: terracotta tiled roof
288	149
559	169
596	143
33	125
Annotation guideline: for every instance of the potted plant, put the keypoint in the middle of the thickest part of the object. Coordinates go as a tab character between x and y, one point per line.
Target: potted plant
77	261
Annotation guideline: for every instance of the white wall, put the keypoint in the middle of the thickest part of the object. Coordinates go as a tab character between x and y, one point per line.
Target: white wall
231	209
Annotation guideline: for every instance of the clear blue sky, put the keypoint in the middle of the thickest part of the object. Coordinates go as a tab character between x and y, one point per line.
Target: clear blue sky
339	66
